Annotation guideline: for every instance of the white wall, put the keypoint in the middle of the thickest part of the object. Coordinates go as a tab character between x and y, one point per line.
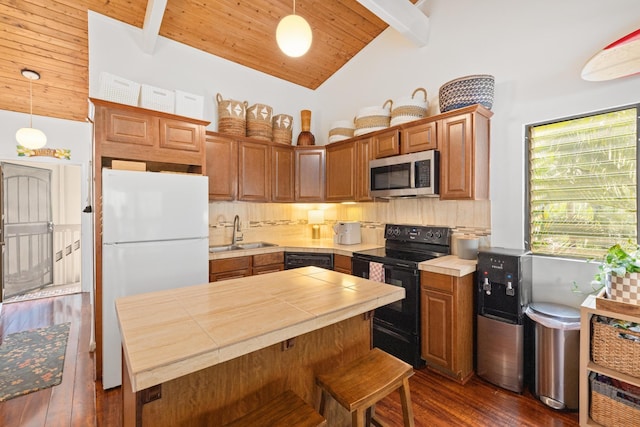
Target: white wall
75	136
114	47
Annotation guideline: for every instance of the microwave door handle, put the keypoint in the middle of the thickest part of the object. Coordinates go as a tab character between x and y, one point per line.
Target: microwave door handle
412	175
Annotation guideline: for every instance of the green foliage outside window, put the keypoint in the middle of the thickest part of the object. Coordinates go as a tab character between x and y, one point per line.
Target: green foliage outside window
582	184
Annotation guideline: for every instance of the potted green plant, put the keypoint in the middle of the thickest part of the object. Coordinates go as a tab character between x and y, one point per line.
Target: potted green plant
619	272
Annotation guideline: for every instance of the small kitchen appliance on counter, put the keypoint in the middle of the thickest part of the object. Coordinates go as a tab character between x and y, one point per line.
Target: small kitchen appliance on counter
396	327
346	233
503	293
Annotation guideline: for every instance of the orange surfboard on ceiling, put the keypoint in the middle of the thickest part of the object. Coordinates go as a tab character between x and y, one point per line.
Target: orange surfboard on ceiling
619	59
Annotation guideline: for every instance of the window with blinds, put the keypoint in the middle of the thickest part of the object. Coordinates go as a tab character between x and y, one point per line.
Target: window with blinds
582	186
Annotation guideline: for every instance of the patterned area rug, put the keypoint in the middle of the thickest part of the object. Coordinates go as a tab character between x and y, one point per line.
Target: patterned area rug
32	360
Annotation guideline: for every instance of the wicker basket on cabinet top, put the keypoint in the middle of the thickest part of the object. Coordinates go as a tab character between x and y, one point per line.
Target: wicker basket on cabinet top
259	124
232	116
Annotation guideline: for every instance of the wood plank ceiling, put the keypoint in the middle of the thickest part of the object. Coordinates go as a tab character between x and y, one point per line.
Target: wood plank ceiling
51	37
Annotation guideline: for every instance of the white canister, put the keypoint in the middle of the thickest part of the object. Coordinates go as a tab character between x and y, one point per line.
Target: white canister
467	247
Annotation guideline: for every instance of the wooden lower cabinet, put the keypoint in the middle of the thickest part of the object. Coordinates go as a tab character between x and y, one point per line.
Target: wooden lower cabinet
447	324
229	268
342	263
268	263
243	266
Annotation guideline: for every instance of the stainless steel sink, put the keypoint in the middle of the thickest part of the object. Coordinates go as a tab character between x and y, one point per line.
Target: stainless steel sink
240	246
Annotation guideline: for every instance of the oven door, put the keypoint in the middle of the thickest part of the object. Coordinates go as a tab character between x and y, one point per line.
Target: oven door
402	315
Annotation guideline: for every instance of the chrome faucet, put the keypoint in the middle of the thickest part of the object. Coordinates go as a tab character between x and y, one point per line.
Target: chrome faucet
237	233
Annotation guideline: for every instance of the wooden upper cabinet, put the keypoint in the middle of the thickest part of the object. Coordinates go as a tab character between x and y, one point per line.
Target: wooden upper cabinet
419	138
178	135
222	167
341	171
164	141
254	171
386	144
129	127
364	154
310	174
463	142
282	174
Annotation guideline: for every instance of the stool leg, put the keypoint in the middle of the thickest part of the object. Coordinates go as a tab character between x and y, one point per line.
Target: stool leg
323	402
357	418
405	398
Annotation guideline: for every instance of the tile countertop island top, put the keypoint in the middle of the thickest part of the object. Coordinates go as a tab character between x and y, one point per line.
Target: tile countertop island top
169	334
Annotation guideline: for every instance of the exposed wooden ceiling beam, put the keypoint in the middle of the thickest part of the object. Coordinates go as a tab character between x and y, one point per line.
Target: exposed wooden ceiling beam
152	21
404	17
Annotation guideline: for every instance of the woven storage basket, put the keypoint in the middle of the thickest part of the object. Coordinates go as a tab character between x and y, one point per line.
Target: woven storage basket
341	130
410	108
609	406
610	349
370	119
259	122
465	91
282	125
232	116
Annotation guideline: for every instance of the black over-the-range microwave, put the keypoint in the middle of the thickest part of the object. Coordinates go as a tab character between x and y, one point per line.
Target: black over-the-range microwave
407	175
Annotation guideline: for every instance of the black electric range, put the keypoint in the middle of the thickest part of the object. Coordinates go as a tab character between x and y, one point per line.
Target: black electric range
396	327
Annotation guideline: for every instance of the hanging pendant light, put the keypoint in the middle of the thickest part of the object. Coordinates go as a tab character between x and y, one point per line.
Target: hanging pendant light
30	137
293	34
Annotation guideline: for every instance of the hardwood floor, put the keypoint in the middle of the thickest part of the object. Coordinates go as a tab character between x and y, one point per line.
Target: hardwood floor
437	401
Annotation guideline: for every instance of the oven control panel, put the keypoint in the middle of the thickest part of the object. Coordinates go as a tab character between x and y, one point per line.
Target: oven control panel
418	233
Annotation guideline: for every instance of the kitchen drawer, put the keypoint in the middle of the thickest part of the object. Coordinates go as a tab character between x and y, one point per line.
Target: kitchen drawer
230	264
437	282
226	275
268	269
268	259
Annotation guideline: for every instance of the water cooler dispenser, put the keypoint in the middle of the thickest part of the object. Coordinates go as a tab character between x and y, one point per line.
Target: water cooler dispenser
503	293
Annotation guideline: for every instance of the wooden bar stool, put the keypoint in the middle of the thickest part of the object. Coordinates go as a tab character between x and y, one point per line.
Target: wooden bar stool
285	410
358	385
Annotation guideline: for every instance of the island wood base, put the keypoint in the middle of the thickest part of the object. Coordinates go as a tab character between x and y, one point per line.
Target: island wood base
223	392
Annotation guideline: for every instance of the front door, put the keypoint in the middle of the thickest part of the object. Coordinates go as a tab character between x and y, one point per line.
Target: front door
27	229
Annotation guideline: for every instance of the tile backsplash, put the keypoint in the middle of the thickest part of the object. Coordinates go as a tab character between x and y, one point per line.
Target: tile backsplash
289	220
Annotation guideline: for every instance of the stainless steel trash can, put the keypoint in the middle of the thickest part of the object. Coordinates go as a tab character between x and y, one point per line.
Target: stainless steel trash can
557	354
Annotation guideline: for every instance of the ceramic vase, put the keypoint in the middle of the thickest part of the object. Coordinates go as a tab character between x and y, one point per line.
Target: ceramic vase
306	137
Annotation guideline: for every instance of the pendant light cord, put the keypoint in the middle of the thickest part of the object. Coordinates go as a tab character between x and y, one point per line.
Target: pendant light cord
30	103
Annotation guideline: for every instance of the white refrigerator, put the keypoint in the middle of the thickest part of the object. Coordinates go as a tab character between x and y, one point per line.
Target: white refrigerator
155	236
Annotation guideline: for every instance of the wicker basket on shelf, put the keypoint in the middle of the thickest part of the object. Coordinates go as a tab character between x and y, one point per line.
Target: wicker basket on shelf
612	348
231	116
612	406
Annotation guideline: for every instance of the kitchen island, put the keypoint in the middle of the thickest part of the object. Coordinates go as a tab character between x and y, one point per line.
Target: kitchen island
207	354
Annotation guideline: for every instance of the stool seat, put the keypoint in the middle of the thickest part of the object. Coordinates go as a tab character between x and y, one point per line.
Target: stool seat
358	385
285	410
